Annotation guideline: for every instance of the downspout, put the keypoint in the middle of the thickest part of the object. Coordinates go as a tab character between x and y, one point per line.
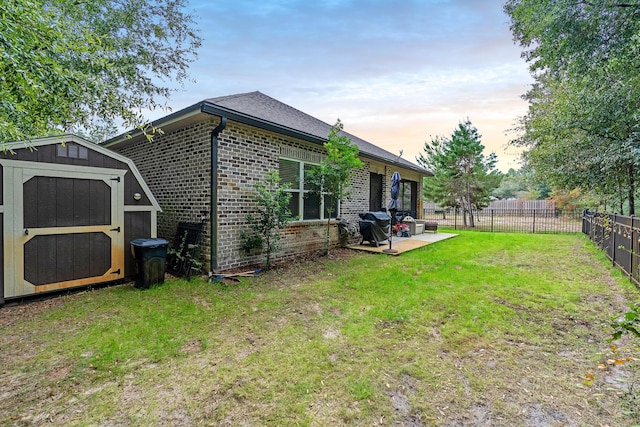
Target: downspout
213	250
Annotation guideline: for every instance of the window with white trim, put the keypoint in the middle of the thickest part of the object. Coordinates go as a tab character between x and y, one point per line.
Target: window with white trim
304	204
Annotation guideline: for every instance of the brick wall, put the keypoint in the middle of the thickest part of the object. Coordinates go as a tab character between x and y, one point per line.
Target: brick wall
359	200
176	168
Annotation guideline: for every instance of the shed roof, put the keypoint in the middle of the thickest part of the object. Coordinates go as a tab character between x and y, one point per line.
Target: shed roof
265	112
39	142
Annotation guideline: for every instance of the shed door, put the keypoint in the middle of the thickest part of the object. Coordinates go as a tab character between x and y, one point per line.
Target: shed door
67	227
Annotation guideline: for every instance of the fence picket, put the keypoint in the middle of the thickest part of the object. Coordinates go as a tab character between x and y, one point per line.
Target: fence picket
511	220
602	230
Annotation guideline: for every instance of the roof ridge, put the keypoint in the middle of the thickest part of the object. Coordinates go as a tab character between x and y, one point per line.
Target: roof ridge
227	97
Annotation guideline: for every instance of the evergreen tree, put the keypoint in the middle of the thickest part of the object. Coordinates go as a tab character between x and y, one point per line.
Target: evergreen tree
463	176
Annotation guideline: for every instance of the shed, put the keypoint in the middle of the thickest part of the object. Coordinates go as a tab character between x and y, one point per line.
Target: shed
69	209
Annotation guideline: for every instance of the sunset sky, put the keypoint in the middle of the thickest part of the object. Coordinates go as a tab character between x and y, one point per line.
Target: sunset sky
395	73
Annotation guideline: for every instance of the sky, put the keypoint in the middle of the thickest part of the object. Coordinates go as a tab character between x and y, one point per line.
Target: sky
396	73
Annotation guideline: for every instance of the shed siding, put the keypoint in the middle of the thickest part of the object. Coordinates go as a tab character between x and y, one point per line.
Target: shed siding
176	167
2	256
72	205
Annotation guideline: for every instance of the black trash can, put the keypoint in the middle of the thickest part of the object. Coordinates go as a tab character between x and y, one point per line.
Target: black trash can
151	256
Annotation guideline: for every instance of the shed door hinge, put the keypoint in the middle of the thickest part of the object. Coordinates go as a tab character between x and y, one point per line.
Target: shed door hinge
116	272
115	229
116	179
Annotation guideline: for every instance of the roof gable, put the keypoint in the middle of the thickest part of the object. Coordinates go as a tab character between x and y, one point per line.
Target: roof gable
66	138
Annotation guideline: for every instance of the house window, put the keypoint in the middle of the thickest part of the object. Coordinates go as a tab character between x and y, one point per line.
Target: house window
304	204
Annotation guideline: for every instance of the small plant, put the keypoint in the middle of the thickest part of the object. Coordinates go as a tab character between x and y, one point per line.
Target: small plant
250	242
273	215
630	323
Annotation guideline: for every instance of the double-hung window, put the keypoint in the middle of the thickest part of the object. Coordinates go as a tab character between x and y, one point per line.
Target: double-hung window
304	204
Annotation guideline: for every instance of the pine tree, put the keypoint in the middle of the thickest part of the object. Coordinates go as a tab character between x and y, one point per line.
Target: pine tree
463	177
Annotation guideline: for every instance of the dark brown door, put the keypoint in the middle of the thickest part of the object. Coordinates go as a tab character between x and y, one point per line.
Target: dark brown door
68	227
409	197
375	193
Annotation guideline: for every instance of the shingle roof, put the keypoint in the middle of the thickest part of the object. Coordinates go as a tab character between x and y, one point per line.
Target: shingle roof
264	108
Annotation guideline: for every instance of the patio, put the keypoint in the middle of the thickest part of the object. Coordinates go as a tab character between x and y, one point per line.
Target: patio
404	244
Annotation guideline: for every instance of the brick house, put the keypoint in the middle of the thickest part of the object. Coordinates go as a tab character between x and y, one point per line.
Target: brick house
240	138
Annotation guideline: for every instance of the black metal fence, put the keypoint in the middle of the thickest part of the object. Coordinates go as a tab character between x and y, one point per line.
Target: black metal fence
511	220
618	236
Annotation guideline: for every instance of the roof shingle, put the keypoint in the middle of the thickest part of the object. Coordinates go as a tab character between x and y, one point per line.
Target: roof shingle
263	107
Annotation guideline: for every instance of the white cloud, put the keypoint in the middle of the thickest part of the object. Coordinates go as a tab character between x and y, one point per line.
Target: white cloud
396	73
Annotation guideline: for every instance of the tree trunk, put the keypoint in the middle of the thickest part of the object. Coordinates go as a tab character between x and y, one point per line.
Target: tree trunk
470	206
327	238
267	262
632	190
463	205
620	196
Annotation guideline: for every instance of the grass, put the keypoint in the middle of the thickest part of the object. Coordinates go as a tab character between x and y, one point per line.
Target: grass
482	329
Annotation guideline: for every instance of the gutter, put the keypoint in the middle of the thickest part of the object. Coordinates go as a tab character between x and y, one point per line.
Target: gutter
213	215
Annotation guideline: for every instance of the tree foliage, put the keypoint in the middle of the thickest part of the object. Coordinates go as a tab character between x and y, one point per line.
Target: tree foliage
70	65
463	176
332	177
273	215
582	128
522	184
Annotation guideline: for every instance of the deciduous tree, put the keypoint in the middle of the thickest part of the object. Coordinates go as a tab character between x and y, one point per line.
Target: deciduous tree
273	214
582	128
70	65
331	179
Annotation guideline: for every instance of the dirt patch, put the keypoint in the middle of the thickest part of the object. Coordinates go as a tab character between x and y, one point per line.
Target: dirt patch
331	334
540	416
18	311
404	411
192	346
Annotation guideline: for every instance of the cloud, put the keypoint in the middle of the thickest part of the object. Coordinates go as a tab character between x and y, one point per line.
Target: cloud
394	72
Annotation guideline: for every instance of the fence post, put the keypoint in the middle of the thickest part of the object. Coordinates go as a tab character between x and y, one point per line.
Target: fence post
613	240
455	218
492	220
534	222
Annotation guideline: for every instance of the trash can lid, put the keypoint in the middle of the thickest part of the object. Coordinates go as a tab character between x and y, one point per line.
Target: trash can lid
149	243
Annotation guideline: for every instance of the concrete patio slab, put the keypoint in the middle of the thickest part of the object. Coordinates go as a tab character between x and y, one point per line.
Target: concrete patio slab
404	244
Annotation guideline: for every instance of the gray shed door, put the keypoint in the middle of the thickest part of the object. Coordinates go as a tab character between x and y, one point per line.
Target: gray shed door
65	228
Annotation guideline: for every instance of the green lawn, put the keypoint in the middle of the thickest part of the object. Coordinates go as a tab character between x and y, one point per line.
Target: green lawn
480	330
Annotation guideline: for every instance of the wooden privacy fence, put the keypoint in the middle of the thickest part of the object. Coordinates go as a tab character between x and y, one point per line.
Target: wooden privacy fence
618	236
